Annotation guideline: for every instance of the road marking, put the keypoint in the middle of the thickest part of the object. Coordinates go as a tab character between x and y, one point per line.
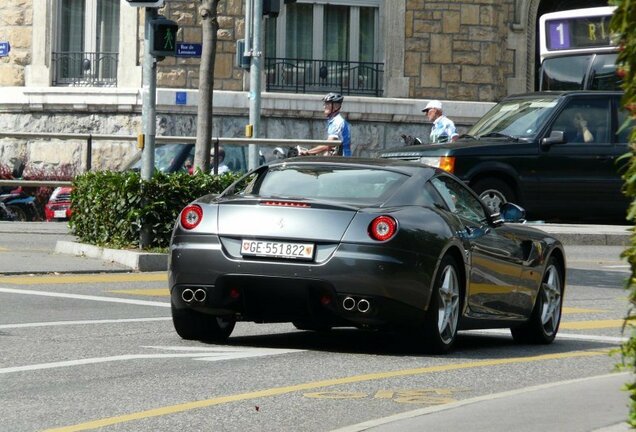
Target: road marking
98	278
83	322
593	324
205	354
573	310
372	424
85	297
155	292
277	391
582	337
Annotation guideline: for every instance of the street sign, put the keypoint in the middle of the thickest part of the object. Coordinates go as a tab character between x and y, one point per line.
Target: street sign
189	49
181	98
5	47
163	37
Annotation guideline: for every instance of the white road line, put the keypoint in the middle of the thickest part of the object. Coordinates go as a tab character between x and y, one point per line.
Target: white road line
206	354
84	297
573	336
83	322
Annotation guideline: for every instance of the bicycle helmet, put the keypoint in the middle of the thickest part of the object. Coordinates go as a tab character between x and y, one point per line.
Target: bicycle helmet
333	97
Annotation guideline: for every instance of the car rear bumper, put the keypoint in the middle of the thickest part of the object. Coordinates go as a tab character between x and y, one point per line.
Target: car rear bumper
395	284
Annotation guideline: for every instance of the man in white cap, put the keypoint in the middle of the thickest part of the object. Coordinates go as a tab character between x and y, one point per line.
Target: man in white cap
443	129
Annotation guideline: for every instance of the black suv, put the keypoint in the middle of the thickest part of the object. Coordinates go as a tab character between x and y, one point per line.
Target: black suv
530	149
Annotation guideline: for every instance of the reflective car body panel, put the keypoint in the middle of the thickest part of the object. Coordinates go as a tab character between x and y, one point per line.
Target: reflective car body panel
435	214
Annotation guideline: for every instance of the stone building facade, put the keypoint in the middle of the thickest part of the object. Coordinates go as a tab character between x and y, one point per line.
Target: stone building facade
467	53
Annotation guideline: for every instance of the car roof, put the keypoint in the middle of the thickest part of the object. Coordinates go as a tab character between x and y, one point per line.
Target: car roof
563	93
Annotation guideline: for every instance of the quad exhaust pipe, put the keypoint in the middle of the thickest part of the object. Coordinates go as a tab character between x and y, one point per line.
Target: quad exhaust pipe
362	305
199	295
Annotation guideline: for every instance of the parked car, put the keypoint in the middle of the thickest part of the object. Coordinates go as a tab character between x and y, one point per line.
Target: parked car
59	205
526	150
325	242
170	158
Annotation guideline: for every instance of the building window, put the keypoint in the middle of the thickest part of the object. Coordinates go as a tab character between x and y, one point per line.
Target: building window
318	45
87	43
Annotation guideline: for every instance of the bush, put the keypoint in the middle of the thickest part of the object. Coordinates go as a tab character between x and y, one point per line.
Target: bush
622	26
109	208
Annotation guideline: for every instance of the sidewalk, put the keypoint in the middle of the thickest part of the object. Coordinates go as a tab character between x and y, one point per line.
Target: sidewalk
595	404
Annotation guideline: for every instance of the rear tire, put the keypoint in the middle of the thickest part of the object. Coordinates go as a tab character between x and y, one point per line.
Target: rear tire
494	192
543	324
193	325
442	318
19	215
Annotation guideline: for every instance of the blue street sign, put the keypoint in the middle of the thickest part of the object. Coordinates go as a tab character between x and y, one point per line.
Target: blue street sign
189	50
5	47
181	98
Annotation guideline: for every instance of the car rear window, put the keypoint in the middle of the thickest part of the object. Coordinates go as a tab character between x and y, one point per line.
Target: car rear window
327	182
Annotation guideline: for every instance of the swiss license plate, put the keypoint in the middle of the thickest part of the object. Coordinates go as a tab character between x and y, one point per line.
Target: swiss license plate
303	251
59	214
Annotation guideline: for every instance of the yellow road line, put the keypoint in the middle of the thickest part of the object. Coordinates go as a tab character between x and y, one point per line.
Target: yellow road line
595	324
277	391
92	278
164	292
573	310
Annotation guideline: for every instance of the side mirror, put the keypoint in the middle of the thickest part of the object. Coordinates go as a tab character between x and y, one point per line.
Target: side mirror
556	137
510	212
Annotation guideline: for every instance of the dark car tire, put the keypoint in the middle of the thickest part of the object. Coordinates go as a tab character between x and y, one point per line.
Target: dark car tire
193	325
494	192
543	324
442	317
19	215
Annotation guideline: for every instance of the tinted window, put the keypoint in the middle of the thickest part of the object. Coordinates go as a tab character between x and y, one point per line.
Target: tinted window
565	73
625	125
346	184
585	120
459	200
521	118
603	73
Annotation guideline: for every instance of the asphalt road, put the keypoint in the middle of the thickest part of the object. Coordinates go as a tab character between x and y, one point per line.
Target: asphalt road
97	350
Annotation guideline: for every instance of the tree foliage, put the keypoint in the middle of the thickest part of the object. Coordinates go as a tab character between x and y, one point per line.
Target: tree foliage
624	30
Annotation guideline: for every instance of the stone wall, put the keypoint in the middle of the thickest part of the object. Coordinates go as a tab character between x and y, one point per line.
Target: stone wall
456	50
15	28
180	72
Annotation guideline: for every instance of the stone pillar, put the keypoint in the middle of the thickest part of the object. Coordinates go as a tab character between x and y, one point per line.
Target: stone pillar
38	74
128	69
393	32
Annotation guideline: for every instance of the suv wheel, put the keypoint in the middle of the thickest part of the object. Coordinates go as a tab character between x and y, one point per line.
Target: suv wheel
494	192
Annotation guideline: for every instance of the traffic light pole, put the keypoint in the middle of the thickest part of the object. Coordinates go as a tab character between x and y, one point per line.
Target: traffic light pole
148	116
255	80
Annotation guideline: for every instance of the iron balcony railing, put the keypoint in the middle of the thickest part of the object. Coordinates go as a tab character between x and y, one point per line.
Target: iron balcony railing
85	69
319	76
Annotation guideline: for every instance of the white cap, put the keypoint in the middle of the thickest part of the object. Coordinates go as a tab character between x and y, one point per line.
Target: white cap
434	104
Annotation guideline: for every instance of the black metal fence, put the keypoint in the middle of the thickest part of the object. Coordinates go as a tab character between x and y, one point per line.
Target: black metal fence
319	76
85	69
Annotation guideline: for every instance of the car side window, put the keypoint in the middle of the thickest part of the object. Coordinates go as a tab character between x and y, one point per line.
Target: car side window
459	200
585	121
625	125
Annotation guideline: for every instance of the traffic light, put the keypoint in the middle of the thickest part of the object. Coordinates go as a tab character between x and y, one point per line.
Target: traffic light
146	3
163	37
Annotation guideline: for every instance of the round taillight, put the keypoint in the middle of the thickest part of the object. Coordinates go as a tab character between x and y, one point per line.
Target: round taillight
382	228
191	216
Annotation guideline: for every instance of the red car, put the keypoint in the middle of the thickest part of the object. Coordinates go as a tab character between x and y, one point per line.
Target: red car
59	205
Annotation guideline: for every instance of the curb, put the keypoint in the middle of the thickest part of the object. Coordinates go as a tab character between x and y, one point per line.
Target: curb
139	261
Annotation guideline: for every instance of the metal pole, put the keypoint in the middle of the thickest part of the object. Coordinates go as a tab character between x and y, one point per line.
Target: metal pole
148	117
89	152
255	81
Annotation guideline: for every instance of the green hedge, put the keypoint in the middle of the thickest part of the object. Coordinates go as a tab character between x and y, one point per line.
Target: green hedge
624	31
109	208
